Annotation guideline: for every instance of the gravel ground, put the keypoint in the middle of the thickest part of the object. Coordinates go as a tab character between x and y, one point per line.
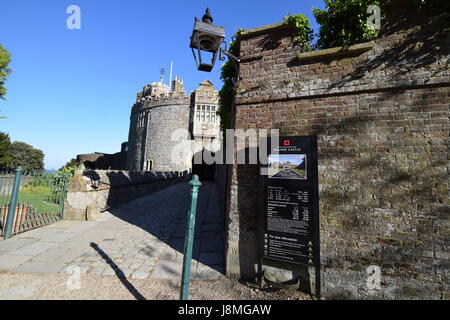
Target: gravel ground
21	286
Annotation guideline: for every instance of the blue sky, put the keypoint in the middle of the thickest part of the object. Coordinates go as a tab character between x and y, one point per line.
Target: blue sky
71	91
292	158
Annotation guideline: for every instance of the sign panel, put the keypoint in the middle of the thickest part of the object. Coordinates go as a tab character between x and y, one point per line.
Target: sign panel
290	217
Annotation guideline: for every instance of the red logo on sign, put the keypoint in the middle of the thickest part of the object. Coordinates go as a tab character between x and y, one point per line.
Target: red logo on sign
286	142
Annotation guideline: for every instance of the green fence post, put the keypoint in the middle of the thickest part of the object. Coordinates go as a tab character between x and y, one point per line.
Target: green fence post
13	203
189	239
62	197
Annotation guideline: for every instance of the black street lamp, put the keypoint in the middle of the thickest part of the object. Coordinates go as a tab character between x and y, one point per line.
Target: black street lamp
209	38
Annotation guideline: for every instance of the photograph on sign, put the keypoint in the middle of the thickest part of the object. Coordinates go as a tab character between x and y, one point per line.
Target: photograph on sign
287	166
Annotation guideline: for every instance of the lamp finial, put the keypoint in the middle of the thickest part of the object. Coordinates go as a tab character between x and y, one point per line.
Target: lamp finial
207	18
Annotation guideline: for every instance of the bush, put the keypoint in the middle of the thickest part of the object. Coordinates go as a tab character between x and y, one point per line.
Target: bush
69	168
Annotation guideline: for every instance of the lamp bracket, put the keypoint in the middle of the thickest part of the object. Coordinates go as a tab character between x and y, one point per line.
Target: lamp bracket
233	58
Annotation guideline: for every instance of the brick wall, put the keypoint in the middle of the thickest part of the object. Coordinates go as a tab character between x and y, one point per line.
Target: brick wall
382	121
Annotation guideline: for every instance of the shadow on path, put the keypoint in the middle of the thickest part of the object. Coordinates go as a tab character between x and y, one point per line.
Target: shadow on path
164	216
118	272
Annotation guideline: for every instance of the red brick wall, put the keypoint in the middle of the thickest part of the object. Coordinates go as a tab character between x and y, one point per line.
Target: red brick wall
382	121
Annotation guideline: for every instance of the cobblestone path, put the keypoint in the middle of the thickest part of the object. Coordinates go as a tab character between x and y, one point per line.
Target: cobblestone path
140	239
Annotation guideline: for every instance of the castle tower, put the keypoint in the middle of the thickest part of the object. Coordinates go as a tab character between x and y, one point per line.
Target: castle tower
156	115
160	112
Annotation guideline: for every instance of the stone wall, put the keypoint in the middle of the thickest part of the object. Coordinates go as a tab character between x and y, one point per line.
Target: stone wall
381	114
163	122
99	190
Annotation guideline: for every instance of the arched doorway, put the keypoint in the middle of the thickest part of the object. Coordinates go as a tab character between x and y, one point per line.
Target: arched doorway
206	172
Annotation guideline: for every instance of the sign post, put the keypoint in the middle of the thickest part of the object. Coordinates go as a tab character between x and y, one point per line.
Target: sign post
289	224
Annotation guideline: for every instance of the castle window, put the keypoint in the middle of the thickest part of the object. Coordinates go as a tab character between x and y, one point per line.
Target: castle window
139	120
148	165
198	113
213	114
203	113
208	113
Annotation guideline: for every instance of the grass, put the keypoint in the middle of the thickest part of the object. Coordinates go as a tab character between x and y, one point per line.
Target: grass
34	200
300	172
42	194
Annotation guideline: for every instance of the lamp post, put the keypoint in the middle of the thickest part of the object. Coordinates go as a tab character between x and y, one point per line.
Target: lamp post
189	239
207	37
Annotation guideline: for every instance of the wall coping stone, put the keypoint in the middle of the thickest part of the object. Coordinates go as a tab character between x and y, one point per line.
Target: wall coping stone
362	71
258	30
336	52
91	191
97	180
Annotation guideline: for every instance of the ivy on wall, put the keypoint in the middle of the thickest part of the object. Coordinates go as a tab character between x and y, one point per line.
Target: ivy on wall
342	23
302	35
229	75
302	32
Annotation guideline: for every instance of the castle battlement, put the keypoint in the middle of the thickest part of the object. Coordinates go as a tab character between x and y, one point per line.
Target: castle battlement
171	98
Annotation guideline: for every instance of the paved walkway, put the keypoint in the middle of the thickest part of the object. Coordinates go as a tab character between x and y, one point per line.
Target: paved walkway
141	239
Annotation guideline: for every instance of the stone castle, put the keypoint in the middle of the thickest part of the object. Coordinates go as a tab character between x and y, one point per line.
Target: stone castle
160	111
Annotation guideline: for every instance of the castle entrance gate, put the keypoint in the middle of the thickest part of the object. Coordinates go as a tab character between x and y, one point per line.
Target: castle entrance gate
205	171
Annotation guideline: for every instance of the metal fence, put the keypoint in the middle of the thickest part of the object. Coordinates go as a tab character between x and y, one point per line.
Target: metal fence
30	200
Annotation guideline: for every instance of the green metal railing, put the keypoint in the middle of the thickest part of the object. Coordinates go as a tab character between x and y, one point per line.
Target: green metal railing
30	200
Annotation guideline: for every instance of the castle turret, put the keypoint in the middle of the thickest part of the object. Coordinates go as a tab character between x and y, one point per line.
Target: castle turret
157	113
177	85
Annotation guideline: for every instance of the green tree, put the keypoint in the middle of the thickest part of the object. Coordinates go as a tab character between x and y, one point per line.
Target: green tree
22	154
438	9
5	58
344	22
5	144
